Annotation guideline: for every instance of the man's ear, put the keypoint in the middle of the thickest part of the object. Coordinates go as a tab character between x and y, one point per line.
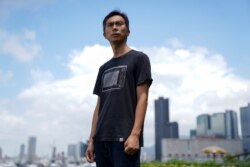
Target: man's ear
128	33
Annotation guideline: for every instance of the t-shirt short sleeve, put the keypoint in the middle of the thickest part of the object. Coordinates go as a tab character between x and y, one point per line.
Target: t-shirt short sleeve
143	70
97	88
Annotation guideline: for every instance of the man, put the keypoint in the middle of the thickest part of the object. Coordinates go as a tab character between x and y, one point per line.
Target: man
122	87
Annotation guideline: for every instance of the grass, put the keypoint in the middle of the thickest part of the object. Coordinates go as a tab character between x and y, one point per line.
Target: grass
179	163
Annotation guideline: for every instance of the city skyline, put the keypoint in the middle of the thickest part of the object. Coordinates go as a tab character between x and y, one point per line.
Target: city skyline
217	125
161	105
245	121
50	52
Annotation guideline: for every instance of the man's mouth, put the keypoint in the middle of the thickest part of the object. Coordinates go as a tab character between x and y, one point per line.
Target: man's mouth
115	34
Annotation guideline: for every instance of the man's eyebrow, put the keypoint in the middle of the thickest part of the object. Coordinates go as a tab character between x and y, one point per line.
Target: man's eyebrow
115	21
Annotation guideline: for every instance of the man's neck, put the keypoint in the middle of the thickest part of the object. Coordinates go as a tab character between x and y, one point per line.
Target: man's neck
120	50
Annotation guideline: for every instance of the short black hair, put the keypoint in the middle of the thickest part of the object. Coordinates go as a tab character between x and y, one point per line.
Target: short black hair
114	13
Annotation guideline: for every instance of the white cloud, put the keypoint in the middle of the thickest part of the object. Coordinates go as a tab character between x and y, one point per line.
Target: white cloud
195	80
22	46
89	59
9	120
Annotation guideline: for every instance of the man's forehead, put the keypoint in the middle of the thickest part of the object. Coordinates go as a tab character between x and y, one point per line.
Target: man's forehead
115	18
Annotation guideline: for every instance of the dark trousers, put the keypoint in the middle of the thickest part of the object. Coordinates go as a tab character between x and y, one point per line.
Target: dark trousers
111	154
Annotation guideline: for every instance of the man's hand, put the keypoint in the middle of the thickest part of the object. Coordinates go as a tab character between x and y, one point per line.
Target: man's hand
131	145
89	154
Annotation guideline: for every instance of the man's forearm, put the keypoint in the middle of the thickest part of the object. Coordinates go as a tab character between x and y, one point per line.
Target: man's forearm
141	108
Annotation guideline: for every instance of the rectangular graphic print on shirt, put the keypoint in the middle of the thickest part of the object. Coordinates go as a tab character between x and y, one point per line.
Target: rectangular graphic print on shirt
114	78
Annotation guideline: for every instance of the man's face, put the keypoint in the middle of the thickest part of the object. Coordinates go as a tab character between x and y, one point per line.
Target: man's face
116	29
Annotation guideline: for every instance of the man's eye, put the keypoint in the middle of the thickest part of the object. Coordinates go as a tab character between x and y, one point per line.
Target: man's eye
118	24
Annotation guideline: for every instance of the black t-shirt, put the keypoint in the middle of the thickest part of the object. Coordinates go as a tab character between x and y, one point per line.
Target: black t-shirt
116	86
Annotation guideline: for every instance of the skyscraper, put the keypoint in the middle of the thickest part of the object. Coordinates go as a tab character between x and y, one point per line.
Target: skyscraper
22	152
231	125
31	150
203	125
163	128
245	127
1	153
72	149
53	156
218	125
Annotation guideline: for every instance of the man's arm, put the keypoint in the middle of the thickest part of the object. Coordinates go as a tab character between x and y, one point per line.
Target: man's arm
132	143
90	150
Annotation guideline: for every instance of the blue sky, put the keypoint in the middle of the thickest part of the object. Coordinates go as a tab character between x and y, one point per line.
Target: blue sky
62	26
50	52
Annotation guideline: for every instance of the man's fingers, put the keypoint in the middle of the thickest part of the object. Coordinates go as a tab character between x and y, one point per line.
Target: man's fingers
89	157
130	150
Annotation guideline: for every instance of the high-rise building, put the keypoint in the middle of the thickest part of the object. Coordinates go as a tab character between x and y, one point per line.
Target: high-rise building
231	125
172	130
163	128
193	133
76	151
22	152
72	155
31	154
80	150
83	148
1	153
161	119
203	125
218	125
245	127
53	156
